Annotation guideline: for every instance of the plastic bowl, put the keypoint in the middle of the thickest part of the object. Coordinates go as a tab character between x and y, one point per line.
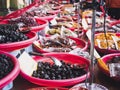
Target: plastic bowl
59	83
49	88
19	12
80	43
105	59
106	51
57	7
49	18
13	74
42	24
54	11
19	45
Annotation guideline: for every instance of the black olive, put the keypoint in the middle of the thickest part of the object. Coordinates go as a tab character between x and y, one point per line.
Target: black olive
6	65
46	70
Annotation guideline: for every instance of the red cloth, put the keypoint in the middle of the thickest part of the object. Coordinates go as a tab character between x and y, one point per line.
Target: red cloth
113	3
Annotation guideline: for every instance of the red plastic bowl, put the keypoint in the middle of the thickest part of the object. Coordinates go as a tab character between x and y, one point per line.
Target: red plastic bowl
54	11
80	43
105	59
58	83
19	45
106	51
58	7
49	18
18	12
13	74
49	88
43	24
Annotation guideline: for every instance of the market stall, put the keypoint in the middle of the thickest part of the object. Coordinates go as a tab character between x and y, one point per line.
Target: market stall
59	32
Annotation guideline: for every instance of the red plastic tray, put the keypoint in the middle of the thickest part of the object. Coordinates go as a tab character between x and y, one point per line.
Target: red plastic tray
58	83
13	74
19	45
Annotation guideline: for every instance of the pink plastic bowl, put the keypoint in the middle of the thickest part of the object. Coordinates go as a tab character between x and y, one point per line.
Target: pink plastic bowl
58	83
106	51
54	11
49	18
80	43
13	74
49	88
58	7
19	45
105	59
42	24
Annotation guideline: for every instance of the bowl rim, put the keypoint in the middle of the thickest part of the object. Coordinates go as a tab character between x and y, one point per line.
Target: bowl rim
13	74
11	46
58	82
107	51
85	46
105	59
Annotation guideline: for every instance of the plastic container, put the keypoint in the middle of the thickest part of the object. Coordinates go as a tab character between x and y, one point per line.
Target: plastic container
42	24
48	88
12	75
58	7
106	51
54	11
105	59
49	18
18	12
79	42
59	83
9	47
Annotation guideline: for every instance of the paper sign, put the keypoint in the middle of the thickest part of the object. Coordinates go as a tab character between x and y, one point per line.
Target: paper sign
53	22
27	64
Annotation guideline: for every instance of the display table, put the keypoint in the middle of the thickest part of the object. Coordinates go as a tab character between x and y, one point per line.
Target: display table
22	84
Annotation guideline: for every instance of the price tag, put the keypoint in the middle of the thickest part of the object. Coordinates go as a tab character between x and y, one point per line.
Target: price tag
114	69
53	22
84	24
27	64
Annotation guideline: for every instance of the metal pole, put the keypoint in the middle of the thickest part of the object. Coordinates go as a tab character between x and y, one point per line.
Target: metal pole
92	44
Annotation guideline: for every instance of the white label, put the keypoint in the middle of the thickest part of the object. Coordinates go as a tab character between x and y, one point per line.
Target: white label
53	22
27	64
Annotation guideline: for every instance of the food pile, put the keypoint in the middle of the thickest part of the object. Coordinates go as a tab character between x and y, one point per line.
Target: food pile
6	65
58	44
10	33
46	70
